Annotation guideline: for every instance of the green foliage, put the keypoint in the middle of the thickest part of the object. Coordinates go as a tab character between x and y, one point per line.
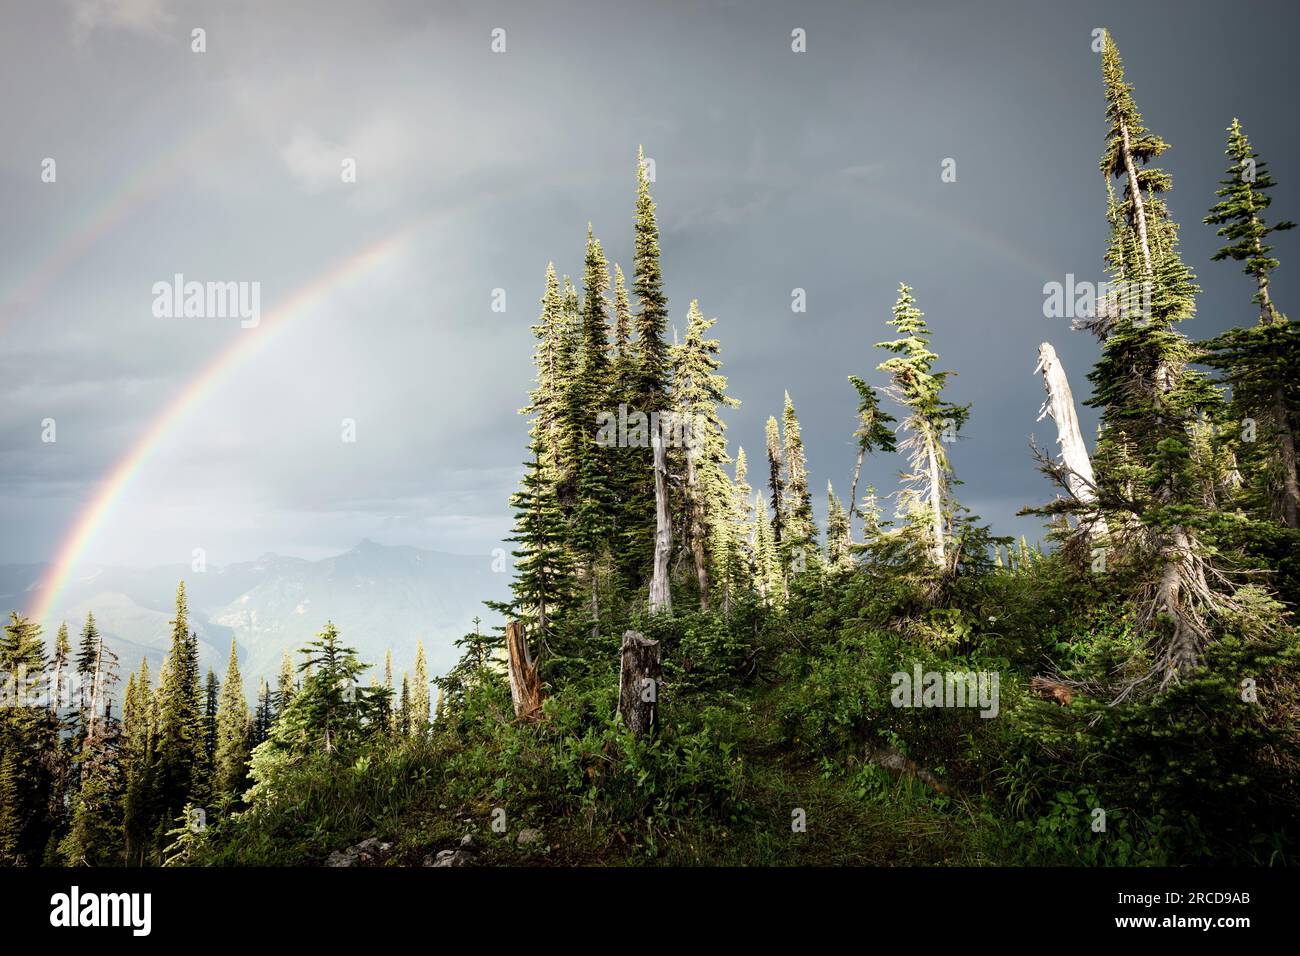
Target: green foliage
1145	713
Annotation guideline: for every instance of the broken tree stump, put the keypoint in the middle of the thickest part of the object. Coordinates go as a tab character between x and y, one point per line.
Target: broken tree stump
1076	465
638	683
525	688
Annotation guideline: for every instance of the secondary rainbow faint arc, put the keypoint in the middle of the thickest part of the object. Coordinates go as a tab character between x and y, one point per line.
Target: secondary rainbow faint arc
130	195
128	466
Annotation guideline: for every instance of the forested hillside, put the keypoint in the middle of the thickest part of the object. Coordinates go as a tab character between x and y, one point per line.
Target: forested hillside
699	672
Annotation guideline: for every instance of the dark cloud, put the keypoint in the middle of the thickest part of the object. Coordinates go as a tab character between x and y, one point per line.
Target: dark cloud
774	171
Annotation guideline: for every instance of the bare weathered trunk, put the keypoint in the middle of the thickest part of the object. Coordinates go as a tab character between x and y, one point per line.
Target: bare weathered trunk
1080	480
1179	576
1281	421
660	595
638	683
1286	451
1135	194
525	688
853	490
96	689
937	554
697	527
56	692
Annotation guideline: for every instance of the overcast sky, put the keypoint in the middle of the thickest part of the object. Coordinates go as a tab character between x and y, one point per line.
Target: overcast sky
775	170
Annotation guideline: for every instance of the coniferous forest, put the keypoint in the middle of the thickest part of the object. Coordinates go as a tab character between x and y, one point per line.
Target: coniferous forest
696	670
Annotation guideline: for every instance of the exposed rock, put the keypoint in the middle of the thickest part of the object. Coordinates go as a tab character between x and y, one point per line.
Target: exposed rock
366	853
451	858
467	841
529	836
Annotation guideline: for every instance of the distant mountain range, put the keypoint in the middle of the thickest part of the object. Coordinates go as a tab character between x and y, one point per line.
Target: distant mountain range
380	597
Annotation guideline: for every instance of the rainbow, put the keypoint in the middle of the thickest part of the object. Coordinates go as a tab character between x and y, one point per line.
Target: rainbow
300	302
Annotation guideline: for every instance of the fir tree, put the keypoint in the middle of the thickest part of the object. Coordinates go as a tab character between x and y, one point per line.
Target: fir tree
651	380
211	704
594	512
931	420
265	715
419	694
87	653
799	530
95	818
776	479
700	393
1261	363
769	582
624	353
62	657
137	764
390	715
26	733
874	433
285	685
231	764
329	714
94	836
544	587
742	531
839	556
1148	395
545	403
404	708
180	721
653	361
11	824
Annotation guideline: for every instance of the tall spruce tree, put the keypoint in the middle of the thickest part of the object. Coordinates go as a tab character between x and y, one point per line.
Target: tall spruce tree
595	510
545	584
58	697
265	715
743	518
419	714
25	738
330	714
546	400
1261	363
208	755
776	478
931	419
11	821
391	715
875	432
1148	395
798	549
404	708
652	376
179	715
137	765
87	653
700	392
839	556
230	770
285	684
768	581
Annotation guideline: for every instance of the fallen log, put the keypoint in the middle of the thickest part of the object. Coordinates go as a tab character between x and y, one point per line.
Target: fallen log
893	760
